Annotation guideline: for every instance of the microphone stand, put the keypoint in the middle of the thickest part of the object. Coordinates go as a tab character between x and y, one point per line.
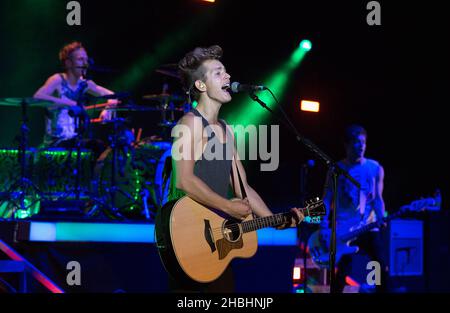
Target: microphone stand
333	168
80	122
302	236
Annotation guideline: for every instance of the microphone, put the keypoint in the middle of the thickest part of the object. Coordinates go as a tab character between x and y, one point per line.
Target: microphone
89	64
238	87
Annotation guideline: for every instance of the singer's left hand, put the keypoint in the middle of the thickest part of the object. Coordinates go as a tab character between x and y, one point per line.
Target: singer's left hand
297	218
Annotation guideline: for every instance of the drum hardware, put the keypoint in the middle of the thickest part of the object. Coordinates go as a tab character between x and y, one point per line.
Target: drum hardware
70	200
143	175
164	97
82	121
81	125
168	104
145	194
118	144
18	189
127	108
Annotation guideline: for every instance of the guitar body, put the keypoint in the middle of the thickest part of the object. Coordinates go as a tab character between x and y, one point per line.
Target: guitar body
320	251
198	243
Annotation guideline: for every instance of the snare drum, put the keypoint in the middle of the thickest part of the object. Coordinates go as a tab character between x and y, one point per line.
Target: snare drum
142	178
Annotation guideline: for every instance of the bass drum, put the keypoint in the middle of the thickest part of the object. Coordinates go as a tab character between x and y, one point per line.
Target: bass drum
56	170
141	178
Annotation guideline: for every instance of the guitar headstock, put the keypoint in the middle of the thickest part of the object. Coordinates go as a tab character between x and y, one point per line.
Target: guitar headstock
424	204
313	220
314	208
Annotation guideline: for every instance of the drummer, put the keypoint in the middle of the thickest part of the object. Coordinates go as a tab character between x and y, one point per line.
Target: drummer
65	90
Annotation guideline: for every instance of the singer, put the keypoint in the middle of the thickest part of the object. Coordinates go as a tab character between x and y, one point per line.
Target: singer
66	89
209	181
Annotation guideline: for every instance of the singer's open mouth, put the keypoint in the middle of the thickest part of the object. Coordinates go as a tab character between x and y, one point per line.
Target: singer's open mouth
226	87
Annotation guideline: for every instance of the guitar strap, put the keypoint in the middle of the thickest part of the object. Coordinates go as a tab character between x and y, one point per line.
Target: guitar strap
238	188
236	181
362	204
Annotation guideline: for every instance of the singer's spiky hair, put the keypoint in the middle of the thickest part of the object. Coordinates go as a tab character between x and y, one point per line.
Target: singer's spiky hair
191	69
67	50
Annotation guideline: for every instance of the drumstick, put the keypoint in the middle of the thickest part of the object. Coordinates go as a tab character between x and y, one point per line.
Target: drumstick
94	106
139	134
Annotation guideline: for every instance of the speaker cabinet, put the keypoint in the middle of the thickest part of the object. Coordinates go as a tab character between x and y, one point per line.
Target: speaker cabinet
406	248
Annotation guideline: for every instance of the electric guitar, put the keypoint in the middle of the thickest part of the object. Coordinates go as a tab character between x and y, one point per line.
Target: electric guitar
197	243
319	248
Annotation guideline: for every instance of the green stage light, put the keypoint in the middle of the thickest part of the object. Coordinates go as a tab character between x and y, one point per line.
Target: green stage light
251	113
306	44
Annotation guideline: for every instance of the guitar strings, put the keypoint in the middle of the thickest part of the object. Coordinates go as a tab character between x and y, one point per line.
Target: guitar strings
235	226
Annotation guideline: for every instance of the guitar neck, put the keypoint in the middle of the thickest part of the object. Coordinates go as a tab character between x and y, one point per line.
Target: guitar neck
268	221
359	231
364	229
433	204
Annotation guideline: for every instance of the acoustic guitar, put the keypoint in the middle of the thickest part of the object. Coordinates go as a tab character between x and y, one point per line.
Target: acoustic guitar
197	243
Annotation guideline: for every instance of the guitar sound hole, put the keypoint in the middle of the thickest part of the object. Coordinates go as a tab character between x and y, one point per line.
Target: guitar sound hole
231	231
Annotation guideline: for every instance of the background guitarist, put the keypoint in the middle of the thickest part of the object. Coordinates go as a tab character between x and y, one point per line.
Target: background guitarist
357	207
205	179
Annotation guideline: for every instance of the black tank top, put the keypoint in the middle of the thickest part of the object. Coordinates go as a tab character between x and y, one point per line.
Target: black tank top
215	172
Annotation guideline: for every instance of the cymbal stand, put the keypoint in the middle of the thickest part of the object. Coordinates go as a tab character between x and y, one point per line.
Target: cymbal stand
81	124
19	187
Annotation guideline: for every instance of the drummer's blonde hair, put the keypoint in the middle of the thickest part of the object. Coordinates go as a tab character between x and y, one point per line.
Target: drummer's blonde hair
67	50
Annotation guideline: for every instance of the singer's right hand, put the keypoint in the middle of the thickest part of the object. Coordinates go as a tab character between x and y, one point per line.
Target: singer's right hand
239	209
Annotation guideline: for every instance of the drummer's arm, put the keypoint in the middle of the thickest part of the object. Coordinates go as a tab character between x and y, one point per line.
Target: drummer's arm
46	91
98	91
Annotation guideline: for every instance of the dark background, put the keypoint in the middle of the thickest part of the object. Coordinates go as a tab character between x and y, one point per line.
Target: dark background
389	78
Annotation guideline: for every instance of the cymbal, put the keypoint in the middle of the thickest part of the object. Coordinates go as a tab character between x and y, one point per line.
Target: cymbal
162	97
169	70
127	108
29	101
170	73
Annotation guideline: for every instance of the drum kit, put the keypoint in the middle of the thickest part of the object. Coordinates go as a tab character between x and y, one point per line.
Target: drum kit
129	180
